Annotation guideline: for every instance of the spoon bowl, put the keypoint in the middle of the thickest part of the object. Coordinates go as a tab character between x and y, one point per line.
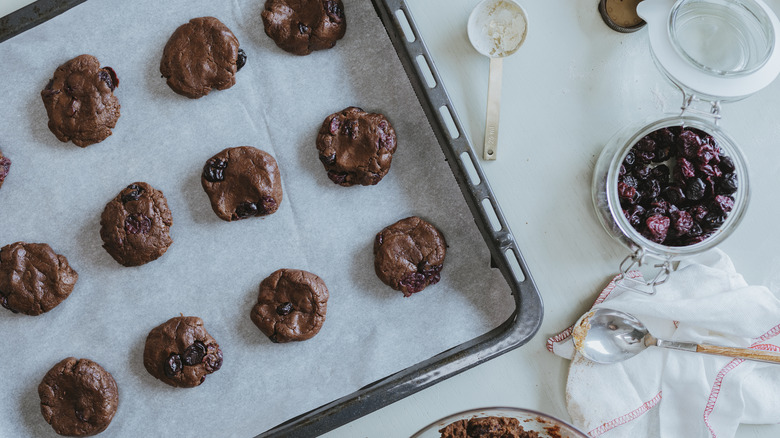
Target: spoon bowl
611	336
608	336
497	28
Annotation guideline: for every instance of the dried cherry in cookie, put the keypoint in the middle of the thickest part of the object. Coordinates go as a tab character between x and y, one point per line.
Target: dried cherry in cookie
201	55
291	305
303	26
409	255
181	353
33	278
78	397
242	182
356	147
80	101
135	225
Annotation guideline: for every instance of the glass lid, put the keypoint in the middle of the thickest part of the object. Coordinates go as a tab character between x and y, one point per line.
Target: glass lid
714	49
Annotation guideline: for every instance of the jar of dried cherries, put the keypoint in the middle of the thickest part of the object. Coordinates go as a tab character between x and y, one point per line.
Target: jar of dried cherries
678	185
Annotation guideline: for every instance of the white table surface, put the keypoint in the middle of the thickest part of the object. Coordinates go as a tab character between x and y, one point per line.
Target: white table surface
566	91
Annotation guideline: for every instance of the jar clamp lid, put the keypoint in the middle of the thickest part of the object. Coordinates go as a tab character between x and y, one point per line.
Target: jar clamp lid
717	50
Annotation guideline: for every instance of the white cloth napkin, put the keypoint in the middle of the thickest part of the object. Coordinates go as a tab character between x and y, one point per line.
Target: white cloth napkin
668	393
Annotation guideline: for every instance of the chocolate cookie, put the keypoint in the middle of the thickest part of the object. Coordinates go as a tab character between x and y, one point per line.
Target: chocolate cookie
409	254
487	427
33	278
242	182
80	101
5	166
135	226
356	147
291	305
78	397
303	26
201	55
180	352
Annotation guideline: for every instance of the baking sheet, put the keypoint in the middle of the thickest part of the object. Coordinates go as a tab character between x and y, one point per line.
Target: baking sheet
56	192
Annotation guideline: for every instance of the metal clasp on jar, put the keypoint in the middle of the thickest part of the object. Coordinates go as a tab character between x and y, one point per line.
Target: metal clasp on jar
646	287
688	106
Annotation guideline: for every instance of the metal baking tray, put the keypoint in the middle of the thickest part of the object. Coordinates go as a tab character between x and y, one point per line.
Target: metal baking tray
526	318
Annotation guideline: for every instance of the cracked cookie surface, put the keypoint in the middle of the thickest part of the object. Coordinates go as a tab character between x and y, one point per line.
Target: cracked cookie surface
78	397
201	55
242	182
33	278
409	255
135	225
80	101
291	305
181	353
356	147
303	26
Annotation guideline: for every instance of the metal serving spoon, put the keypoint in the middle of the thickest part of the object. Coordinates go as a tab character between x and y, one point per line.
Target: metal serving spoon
609	336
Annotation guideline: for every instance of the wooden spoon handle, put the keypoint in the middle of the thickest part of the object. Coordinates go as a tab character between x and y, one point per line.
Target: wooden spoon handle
742	353
493	109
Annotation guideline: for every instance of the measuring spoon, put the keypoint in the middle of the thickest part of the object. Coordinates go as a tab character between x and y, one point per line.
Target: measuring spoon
609	336
496	28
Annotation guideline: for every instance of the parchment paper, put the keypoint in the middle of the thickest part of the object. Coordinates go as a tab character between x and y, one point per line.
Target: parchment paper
56	192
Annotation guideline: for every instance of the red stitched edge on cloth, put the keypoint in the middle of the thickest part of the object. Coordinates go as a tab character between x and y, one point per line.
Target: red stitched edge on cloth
766	347
713	398
768	335
633	415
562	336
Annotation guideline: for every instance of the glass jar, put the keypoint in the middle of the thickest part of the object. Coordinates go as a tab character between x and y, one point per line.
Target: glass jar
610	212
678	32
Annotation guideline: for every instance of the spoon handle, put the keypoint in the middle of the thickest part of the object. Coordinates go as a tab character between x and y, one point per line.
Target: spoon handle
742	353
493	108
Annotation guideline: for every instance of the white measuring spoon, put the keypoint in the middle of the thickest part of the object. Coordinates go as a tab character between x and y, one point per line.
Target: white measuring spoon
496	28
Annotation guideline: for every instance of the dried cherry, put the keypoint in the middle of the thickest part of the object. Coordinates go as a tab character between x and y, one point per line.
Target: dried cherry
675	186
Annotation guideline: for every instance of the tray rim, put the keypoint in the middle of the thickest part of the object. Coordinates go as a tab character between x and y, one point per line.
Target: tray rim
517	330
29	16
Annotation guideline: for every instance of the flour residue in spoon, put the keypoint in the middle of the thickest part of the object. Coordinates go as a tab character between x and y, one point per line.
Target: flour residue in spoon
502	26
580	331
